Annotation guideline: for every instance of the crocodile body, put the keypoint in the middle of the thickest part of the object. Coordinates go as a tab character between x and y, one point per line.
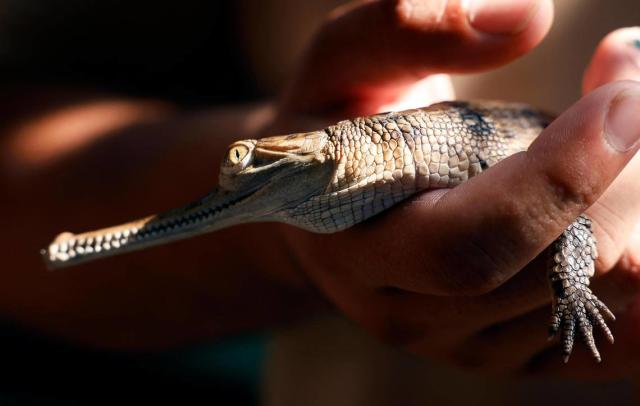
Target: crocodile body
326	181
383	159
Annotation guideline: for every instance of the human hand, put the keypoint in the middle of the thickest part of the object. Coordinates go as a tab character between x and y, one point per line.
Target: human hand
457	274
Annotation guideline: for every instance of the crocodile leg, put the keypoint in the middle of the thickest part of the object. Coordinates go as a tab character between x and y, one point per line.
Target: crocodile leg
575	307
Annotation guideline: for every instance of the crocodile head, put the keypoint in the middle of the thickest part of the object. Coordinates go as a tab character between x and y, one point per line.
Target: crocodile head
259	180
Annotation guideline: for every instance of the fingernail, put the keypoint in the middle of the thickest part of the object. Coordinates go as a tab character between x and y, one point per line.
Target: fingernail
501	16
633	35
622	126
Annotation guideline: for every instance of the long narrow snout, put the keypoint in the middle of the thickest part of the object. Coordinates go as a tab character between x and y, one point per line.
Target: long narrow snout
216	210
255	182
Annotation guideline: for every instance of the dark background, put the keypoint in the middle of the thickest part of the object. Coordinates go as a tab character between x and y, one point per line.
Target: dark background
186	52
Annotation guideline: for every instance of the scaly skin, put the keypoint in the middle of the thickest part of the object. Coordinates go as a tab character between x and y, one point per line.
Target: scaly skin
326	181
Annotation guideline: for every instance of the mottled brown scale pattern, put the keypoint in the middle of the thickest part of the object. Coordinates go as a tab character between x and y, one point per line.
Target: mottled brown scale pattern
383	159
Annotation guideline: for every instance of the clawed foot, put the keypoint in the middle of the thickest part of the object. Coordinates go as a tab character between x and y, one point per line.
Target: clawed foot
580	310
575	307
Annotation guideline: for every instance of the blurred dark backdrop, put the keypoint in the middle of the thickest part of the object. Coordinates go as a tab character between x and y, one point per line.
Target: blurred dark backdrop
186	51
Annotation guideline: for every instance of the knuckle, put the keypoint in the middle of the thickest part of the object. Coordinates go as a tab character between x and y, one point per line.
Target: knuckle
419	14
566	187
572	192
564	195
403	11
565	199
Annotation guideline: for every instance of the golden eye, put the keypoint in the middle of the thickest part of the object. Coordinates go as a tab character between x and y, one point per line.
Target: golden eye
238	157
237	153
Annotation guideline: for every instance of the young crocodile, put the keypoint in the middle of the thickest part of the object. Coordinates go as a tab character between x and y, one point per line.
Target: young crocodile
326	181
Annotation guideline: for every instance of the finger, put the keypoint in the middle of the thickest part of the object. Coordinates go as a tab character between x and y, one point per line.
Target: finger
482	232
368	53
617	57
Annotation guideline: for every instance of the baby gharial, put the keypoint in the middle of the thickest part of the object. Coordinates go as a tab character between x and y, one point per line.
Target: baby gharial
326	181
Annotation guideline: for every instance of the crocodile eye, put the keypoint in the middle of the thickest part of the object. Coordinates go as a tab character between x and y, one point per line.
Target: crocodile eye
237	153
238	157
